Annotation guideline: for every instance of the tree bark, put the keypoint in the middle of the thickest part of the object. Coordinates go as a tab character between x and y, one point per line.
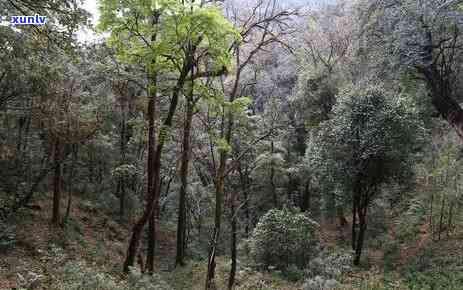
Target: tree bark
361	236
151	195
234	229
152	205
56	217
273	189
305	204
244	187
217	222
219	188
181	223
441	219
354	220
75	149
123	149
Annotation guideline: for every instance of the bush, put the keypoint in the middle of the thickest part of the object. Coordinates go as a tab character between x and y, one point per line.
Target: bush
283	238
320	283
7	236
77	276
391	253
324	271
330	265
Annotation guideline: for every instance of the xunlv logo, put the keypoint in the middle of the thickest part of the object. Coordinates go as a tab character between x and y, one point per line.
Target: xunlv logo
28	20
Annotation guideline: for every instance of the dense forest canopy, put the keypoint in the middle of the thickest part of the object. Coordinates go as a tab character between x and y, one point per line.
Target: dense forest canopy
235	144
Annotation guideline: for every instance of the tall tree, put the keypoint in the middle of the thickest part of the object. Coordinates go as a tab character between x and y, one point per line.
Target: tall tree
185	27
369	143
425	38
265	23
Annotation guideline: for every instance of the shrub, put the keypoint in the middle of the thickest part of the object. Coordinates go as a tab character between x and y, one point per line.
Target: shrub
283	238
320	283
324	271
7	236
77	276
330	265
391	253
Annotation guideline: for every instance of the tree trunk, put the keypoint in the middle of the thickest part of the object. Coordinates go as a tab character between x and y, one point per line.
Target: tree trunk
441	220
234	229
71	181
244	187
219	192
450	110
305	204
56	218
361	236
431	226
217	222
123	146
449	224
439	80
273	189
151	240
150	195
354	221
122	199
153	199
181	223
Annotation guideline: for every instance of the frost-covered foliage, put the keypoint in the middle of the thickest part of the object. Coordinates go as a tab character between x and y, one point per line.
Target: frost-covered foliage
416	33
324	271
283	238
77	276
330	265
371	137
319	283
7	235
124	171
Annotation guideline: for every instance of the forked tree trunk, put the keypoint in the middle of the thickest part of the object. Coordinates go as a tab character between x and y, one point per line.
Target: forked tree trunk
153	199
138	227
157	164
181	223
219	193
151	195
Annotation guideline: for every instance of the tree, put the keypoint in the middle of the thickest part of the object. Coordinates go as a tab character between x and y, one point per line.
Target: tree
165	37
265	24
425	40
283	238
368	144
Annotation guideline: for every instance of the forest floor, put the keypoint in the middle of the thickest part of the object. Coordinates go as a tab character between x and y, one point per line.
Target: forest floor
92	235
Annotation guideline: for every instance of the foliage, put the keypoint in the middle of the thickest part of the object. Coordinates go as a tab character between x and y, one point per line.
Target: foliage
372	135
319	283
77	275
370	139
7	236
132	30
330	264
282	238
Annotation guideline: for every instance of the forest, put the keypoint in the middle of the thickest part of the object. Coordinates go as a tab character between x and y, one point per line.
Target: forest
231	144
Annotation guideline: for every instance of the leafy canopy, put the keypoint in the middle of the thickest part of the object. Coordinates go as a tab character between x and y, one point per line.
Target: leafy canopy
370	139
181	24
